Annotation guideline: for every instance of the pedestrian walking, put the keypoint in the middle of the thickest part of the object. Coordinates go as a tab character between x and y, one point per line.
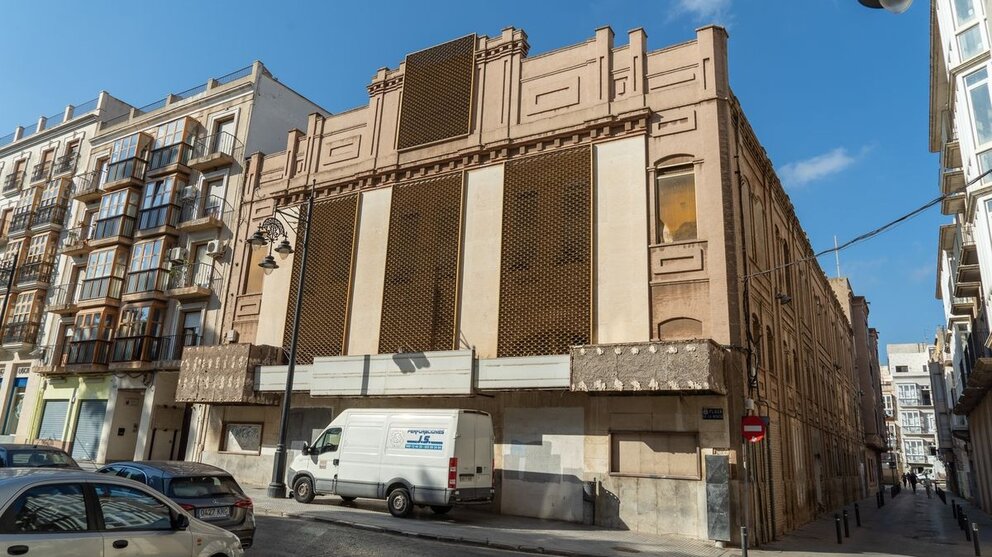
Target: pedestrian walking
905	480
927	485
913	480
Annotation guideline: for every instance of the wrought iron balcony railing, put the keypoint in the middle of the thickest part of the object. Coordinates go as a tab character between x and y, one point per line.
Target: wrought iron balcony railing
65	163
20	332
203	275
220	143
41	171
148	348
35	271
49	214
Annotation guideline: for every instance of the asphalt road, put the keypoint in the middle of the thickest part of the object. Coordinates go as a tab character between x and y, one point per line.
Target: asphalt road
295	537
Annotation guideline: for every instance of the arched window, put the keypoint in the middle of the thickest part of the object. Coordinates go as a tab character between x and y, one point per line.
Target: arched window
786	269
676	194
758	232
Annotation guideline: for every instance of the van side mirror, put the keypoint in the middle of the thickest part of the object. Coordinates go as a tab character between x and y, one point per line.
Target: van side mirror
182	521
306	448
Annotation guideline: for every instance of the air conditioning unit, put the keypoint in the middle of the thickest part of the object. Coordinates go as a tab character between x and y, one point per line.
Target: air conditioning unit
231	336
215	248
177	255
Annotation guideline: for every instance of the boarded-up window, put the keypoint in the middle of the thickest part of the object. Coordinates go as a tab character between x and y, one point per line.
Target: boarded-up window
255	274
676	205
655	453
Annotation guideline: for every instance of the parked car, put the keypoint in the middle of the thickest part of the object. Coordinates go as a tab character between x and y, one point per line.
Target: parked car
68	513
34	456
207	492
435	458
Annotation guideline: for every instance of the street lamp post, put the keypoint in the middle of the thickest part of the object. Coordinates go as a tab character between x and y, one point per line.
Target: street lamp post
268	232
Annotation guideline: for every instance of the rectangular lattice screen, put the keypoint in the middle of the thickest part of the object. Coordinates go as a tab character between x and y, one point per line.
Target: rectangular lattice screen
437	93
418	302
545	270
325	296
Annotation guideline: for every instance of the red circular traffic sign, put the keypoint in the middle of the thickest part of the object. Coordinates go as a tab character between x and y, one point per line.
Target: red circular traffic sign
753	428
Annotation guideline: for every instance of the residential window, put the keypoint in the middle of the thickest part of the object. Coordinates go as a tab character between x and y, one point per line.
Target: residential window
908	395
887	399
139	337
966	20
23	307
145	272
676	190
91	338
977	87
124	148
170	133
902	369
104	274
913	448
157	203
655	454
964	12
910	421
116	215
970	43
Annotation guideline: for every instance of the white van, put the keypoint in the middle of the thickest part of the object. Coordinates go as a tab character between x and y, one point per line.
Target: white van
434	458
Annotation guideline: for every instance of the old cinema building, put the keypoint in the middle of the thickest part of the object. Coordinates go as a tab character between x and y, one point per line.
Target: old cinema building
558	240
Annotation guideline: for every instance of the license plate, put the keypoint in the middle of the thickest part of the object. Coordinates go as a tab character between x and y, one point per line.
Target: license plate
214	513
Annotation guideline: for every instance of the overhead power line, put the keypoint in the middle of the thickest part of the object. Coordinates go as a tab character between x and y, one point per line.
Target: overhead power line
872	233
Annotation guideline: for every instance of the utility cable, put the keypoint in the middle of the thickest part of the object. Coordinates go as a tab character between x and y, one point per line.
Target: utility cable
873	233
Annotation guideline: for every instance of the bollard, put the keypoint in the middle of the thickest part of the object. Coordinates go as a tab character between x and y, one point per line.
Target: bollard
857	515
847	529
967	529
974	539
837	526
743	541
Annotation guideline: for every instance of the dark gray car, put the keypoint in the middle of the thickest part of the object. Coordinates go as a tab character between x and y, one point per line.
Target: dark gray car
207	492
16	455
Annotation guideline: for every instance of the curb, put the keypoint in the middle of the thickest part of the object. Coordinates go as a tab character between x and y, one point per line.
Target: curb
536	550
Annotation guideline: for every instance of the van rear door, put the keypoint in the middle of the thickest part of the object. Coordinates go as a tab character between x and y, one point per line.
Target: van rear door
474	450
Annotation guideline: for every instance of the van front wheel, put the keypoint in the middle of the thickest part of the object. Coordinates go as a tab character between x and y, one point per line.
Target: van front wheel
440	509
399	502
303	490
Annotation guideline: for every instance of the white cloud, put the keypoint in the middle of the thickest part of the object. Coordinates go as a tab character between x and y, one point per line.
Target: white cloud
800	173
717	10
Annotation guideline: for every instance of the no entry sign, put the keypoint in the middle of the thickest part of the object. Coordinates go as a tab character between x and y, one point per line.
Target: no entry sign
753	428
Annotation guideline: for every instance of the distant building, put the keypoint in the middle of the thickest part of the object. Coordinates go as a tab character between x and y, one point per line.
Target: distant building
909	367
892	461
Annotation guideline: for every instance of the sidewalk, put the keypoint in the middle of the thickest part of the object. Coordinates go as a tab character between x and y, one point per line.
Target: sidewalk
908	525
474	527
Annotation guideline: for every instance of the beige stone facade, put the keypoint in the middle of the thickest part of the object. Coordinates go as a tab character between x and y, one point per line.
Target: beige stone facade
591	245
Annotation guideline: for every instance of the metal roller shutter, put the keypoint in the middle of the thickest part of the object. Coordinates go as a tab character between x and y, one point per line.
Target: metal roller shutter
53	420
86	441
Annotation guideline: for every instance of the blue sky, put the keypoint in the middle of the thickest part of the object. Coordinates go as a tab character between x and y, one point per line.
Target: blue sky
837	93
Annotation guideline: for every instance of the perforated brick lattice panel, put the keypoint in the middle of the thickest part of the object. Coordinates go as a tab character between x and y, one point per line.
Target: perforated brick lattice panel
418	302
325	296
545	276
437	93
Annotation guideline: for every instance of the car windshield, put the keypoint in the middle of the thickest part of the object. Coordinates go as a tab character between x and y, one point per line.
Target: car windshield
195	487
39	458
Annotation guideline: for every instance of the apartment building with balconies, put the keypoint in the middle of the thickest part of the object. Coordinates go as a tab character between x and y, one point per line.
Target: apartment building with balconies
960	124
41	165
577	242
910	368
145	261
892	460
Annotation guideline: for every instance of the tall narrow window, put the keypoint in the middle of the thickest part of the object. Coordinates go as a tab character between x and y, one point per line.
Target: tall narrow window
977	85
758	232
676	205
